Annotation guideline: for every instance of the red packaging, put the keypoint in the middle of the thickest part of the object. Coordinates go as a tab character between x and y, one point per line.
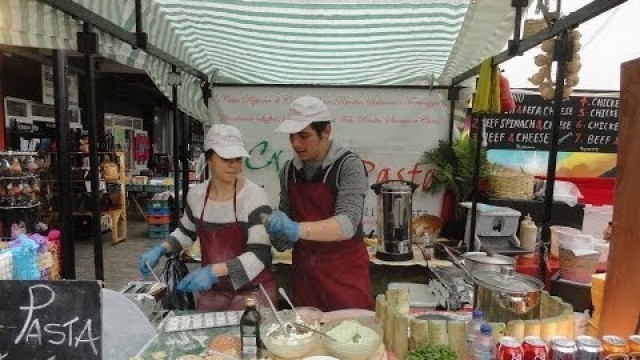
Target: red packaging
534	348
509	348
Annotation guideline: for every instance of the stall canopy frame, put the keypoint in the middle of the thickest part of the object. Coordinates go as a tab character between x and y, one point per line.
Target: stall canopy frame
120	25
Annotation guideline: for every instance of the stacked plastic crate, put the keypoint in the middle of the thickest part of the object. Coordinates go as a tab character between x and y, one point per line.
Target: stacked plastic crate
159	218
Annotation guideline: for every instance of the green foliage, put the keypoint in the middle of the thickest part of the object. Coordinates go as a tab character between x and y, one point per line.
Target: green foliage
432	352
453	167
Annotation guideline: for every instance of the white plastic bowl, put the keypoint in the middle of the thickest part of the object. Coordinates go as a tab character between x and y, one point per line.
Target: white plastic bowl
347	350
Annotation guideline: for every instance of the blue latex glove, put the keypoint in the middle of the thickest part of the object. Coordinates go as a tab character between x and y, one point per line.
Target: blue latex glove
152	257
199	280
281	227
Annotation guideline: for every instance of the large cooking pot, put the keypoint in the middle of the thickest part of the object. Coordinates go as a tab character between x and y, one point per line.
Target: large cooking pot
507	295
475	261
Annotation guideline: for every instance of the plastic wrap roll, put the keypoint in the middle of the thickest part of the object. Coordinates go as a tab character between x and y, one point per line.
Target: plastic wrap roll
419	333
458	337
401	335
532	328
438	332
515	328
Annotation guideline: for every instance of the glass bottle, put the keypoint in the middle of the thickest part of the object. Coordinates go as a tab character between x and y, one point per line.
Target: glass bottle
250	331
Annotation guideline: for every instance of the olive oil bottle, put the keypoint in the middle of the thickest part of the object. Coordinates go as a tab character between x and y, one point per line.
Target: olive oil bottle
250	331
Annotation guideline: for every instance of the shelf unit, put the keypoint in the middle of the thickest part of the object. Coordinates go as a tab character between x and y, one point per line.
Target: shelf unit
114	219
18	197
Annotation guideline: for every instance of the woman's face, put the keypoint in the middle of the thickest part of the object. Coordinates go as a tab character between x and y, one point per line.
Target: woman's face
226	170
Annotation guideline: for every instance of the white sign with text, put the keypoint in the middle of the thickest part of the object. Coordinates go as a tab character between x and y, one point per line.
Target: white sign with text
389	128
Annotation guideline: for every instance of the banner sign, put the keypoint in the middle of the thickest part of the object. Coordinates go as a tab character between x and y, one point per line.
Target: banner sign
389	128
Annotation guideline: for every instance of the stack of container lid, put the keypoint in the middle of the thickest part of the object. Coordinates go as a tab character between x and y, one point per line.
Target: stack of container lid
159	217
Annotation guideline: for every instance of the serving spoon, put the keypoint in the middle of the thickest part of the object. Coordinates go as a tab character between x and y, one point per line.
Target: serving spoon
298	322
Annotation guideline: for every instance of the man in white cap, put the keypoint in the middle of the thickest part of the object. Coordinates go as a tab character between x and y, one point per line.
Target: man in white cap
225	213
320	213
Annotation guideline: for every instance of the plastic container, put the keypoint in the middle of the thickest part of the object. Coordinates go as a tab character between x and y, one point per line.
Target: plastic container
559	233
483	345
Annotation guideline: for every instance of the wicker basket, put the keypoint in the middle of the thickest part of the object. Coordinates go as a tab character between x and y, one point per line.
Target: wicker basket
577	268
532	26
510	184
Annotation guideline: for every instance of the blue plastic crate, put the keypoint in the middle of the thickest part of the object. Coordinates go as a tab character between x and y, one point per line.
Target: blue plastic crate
158	211
158	234
159	227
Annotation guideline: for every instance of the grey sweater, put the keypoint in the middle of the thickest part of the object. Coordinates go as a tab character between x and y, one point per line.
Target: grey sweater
352	187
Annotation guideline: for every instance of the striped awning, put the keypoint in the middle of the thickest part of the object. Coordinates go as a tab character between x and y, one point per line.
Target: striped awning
327	42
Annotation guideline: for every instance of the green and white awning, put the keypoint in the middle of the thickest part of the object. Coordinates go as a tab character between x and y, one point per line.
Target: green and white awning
328	42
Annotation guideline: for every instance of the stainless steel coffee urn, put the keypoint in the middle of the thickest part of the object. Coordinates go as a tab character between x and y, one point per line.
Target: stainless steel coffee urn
394	219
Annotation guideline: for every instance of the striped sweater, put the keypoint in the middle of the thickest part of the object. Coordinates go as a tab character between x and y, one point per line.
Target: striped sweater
251	202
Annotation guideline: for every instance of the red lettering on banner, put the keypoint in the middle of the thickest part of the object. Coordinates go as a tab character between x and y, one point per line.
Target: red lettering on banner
412	175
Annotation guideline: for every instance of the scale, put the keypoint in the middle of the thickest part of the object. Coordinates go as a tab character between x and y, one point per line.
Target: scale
496	229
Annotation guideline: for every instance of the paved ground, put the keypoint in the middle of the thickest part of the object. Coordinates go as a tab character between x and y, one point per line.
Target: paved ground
120	260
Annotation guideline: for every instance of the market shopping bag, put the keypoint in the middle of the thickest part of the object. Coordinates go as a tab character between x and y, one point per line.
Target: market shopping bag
175	270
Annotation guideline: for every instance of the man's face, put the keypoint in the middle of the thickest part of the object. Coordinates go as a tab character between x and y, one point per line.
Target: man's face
308	145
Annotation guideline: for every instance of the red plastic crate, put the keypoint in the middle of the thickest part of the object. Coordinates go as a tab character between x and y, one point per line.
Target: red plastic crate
159	219
530	266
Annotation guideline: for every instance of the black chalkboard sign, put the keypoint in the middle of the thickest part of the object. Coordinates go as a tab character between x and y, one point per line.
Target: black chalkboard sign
50	320
588	124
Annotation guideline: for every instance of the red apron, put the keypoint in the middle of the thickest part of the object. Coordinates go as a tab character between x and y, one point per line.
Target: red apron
326	275
219	245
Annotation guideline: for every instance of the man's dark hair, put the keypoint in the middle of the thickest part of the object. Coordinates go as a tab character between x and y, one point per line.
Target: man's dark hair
320	126
209	154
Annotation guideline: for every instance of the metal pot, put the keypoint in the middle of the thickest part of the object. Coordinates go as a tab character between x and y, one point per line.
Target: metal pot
506	295
475	261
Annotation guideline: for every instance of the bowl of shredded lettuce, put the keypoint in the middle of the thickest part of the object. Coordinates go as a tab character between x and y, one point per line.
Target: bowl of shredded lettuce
355	338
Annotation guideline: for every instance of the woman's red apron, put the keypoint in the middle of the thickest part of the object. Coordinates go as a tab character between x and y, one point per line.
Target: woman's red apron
218	245
326	275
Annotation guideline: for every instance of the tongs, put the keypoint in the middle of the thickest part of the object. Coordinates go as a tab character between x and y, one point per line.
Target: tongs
454	259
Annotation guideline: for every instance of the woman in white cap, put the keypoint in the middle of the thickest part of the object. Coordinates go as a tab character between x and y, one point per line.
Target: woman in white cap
225	213
322	194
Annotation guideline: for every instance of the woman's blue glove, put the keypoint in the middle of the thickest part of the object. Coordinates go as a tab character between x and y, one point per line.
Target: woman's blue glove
281	227
151	257
199	280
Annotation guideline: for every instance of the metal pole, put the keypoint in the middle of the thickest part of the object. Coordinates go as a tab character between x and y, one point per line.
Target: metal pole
452	114
562	52
89	43
475	181
61	105
186	152
176	154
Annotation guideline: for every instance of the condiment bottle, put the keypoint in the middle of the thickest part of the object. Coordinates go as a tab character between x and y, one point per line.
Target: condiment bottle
528	235
250	331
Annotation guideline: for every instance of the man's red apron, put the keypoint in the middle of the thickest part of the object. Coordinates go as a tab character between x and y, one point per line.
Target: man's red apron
326	275
218	245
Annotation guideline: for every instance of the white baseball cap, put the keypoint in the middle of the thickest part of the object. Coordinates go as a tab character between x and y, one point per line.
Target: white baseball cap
302	112
226	141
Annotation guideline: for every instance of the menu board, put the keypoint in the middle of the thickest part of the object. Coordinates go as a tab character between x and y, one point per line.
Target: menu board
587	124
50	320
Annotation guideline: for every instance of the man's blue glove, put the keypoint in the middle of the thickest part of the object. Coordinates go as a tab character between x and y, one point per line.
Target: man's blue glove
199	280
151	257
281	227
